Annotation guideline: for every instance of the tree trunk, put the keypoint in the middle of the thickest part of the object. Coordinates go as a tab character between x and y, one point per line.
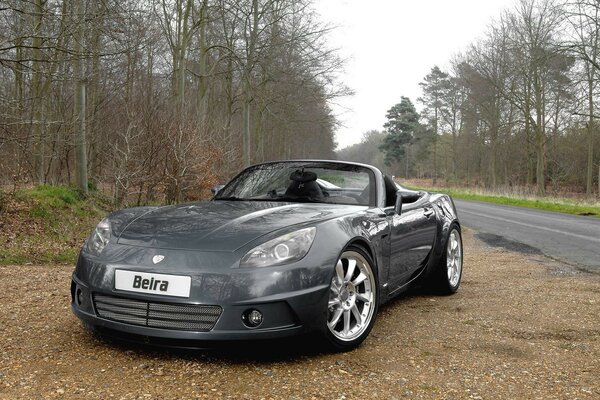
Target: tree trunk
179	45
494	144
435	137
539	137
406	156
36	97
493	165
590	129
95	163
202	100
79	95
180	101
454	156
247	86
19	70
246	127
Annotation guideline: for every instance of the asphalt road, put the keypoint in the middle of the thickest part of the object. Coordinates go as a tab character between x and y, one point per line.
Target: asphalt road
570	238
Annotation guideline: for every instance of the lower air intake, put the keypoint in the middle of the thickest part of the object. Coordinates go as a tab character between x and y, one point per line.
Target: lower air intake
184	317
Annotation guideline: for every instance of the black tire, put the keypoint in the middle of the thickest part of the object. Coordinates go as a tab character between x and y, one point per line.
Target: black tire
353	300
446	279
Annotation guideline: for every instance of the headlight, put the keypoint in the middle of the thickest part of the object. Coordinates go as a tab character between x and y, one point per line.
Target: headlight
100	237
282	250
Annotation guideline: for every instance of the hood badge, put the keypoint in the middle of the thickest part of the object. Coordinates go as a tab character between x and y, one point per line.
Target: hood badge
158	258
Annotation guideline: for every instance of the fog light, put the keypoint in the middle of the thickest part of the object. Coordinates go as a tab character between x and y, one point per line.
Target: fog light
252	318
79	297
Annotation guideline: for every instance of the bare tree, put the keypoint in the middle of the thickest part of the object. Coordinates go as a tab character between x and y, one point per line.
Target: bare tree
585	27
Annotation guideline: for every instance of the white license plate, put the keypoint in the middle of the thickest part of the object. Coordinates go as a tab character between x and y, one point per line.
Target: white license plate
143	282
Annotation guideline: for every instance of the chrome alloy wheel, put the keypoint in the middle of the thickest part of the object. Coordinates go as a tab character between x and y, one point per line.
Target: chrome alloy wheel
351	297
454	258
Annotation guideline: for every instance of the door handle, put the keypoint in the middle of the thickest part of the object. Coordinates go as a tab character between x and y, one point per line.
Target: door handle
428	212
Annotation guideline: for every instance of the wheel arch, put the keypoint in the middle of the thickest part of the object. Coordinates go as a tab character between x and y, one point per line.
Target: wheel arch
367	247
444	227
361	242
362	247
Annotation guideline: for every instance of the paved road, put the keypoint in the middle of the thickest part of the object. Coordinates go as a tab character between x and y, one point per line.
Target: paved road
571	238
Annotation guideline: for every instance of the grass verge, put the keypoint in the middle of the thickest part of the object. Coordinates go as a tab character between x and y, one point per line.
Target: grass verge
47	224
568	206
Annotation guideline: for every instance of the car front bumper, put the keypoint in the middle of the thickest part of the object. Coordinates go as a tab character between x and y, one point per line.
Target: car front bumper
292	301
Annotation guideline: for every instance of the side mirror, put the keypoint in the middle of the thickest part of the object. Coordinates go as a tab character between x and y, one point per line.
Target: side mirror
398	205
216	189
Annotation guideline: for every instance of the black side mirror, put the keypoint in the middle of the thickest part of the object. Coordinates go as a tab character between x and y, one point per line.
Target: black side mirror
398	205
216	189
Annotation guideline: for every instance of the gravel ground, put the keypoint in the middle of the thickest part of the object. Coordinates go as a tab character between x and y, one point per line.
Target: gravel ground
520	327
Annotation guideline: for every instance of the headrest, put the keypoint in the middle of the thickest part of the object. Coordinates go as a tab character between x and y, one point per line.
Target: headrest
303	176
304	185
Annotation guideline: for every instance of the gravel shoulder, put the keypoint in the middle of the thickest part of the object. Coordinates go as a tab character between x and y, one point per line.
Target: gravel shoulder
521	326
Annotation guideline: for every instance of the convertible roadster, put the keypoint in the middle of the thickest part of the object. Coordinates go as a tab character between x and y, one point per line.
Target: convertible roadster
284	248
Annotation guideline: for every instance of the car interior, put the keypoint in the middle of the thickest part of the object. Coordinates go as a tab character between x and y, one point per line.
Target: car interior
303	184
391	190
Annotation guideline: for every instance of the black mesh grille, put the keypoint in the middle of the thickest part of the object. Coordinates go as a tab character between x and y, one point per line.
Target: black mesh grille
185	317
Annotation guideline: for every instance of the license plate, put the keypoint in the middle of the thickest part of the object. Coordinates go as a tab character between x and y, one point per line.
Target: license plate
143	282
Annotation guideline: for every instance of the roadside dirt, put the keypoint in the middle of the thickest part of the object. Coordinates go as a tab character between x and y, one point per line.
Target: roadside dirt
520	327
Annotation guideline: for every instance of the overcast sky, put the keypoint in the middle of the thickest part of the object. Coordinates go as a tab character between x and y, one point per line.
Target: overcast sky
391	45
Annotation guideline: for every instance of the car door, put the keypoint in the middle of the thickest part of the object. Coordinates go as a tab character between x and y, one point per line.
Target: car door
412	234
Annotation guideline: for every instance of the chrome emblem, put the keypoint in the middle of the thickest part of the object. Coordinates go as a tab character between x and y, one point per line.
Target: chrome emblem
157	258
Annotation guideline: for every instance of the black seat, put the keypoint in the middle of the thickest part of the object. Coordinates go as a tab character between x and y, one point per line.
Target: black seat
304	185
390	191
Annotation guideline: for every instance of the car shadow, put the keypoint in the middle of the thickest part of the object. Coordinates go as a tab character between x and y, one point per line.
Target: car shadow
247	351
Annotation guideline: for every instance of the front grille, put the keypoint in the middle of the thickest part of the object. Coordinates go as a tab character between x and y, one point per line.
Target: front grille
185	317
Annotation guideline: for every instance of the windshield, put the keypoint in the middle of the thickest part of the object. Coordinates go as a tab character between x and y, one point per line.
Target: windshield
318	182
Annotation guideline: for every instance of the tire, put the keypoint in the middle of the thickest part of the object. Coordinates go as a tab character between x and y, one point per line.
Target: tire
353	300
448	273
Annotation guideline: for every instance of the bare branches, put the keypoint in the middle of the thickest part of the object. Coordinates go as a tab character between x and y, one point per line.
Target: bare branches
521	104
173	88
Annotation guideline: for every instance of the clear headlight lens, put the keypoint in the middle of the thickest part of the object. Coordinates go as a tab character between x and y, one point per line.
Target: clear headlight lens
99	238
282	250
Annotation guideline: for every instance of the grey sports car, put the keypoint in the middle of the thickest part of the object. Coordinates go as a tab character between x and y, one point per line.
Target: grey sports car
284	248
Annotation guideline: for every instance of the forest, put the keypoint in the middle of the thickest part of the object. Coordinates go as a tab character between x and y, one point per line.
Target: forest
517	108
158	100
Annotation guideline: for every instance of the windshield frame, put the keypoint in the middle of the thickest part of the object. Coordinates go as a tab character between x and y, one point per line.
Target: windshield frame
224	193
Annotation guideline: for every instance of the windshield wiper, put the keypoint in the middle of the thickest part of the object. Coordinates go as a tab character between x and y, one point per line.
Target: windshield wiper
298	199
231	198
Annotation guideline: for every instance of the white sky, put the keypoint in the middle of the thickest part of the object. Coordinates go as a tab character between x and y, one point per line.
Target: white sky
391	45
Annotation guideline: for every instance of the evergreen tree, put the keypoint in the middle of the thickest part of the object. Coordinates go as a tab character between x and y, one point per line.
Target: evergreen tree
402	123
435	87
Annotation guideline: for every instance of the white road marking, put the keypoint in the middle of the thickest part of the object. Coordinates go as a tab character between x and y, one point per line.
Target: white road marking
533	226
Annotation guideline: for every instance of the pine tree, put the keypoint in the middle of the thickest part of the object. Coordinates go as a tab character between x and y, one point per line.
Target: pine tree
434	86
402	123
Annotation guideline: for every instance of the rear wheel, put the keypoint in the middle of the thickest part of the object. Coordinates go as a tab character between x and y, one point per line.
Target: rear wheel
447	277
353	300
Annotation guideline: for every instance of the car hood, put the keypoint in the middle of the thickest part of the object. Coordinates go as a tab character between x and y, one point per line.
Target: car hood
222	225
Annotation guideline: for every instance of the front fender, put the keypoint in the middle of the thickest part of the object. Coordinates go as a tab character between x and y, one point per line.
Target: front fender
369	229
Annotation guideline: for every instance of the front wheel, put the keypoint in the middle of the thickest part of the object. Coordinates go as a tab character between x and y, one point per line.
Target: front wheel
353	300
